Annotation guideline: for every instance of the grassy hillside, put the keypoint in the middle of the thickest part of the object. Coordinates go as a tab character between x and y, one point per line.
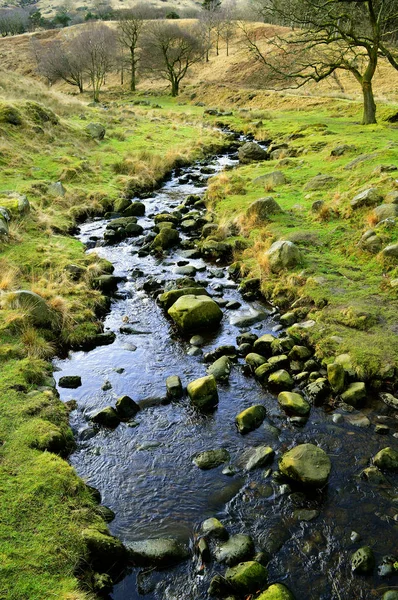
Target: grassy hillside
44	506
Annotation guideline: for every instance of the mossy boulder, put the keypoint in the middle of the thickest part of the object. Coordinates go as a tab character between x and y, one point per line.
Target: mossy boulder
167	299
390	251
263	209
250	418
210	459
320	182
336	376
354	394
70	381
363	561
96	131
126	408
174	387
46	436
40	114
134	209
247	577
386	459
203	392
276	591
263	345
251	152
165	239
17	205
35	307
283	255
258	457
255	360
280	380
271	179
105	552
263	371
294	404
107	417
300	353
307	464
369	197
4	229
195	313
10	115
214	529
216	250
158	552
237	548
221	368
386	211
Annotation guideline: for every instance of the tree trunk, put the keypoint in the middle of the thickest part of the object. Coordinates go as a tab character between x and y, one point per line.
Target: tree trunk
132	83
369	104
174	87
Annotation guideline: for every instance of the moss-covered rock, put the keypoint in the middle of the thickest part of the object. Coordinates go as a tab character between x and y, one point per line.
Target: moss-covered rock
336	376
387	459
195	313
221	368
294	404
167	299
17	205
96	131
40	114
160	552
174	387
203	392
247	577
258	457
262	209
255	360
237	548
276	591
263	345
363	561
105	552
108	417
165	239
126	408
70	381
354	393
210	459
9	114
250	418
280	380
283	255
320	182
36	308
214	529
307	464
251	152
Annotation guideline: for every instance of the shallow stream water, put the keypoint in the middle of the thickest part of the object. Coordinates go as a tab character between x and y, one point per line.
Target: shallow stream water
145	473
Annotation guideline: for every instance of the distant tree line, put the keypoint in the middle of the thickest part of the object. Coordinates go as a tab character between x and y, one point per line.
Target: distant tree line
138	44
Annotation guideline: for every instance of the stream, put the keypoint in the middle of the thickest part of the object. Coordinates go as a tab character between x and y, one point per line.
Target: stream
145	472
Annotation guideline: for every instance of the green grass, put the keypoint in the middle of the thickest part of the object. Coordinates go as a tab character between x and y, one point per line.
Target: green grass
345	289
44	506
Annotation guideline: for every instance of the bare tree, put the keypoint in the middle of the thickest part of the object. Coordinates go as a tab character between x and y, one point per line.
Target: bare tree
130	26
169	51
96	47
228	25
58	60
209	20
328	36
13	21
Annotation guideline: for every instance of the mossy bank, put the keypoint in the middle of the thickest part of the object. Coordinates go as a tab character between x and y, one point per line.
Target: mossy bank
57	171
334	188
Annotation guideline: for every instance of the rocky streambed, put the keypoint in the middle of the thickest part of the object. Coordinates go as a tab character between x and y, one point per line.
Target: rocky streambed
196	424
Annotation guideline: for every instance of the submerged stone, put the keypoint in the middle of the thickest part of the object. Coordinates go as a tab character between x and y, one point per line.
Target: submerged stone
210	459
387	459
363	561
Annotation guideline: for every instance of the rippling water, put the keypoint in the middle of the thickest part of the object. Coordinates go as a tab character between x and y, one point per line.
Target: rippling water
145	473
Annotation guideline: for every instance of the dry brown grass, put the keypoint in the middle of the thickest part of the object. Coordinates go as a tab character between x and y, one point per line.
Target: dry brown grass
35	345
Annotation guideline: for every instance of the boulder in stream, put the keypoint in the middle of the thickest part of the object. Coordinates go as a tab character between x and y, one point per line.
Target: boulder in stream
276	591
214	529
105	552
307	464
70	381
107	417
210	459
159	552
174	387
167	299
237	548
247	577
363	561
203	392
126	408
194	313
221	368
386	459
250	418
294	404
258	457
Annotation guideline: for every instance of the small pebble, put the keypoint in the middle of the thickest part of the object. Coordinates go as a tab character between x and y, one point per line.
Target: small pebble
355	537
